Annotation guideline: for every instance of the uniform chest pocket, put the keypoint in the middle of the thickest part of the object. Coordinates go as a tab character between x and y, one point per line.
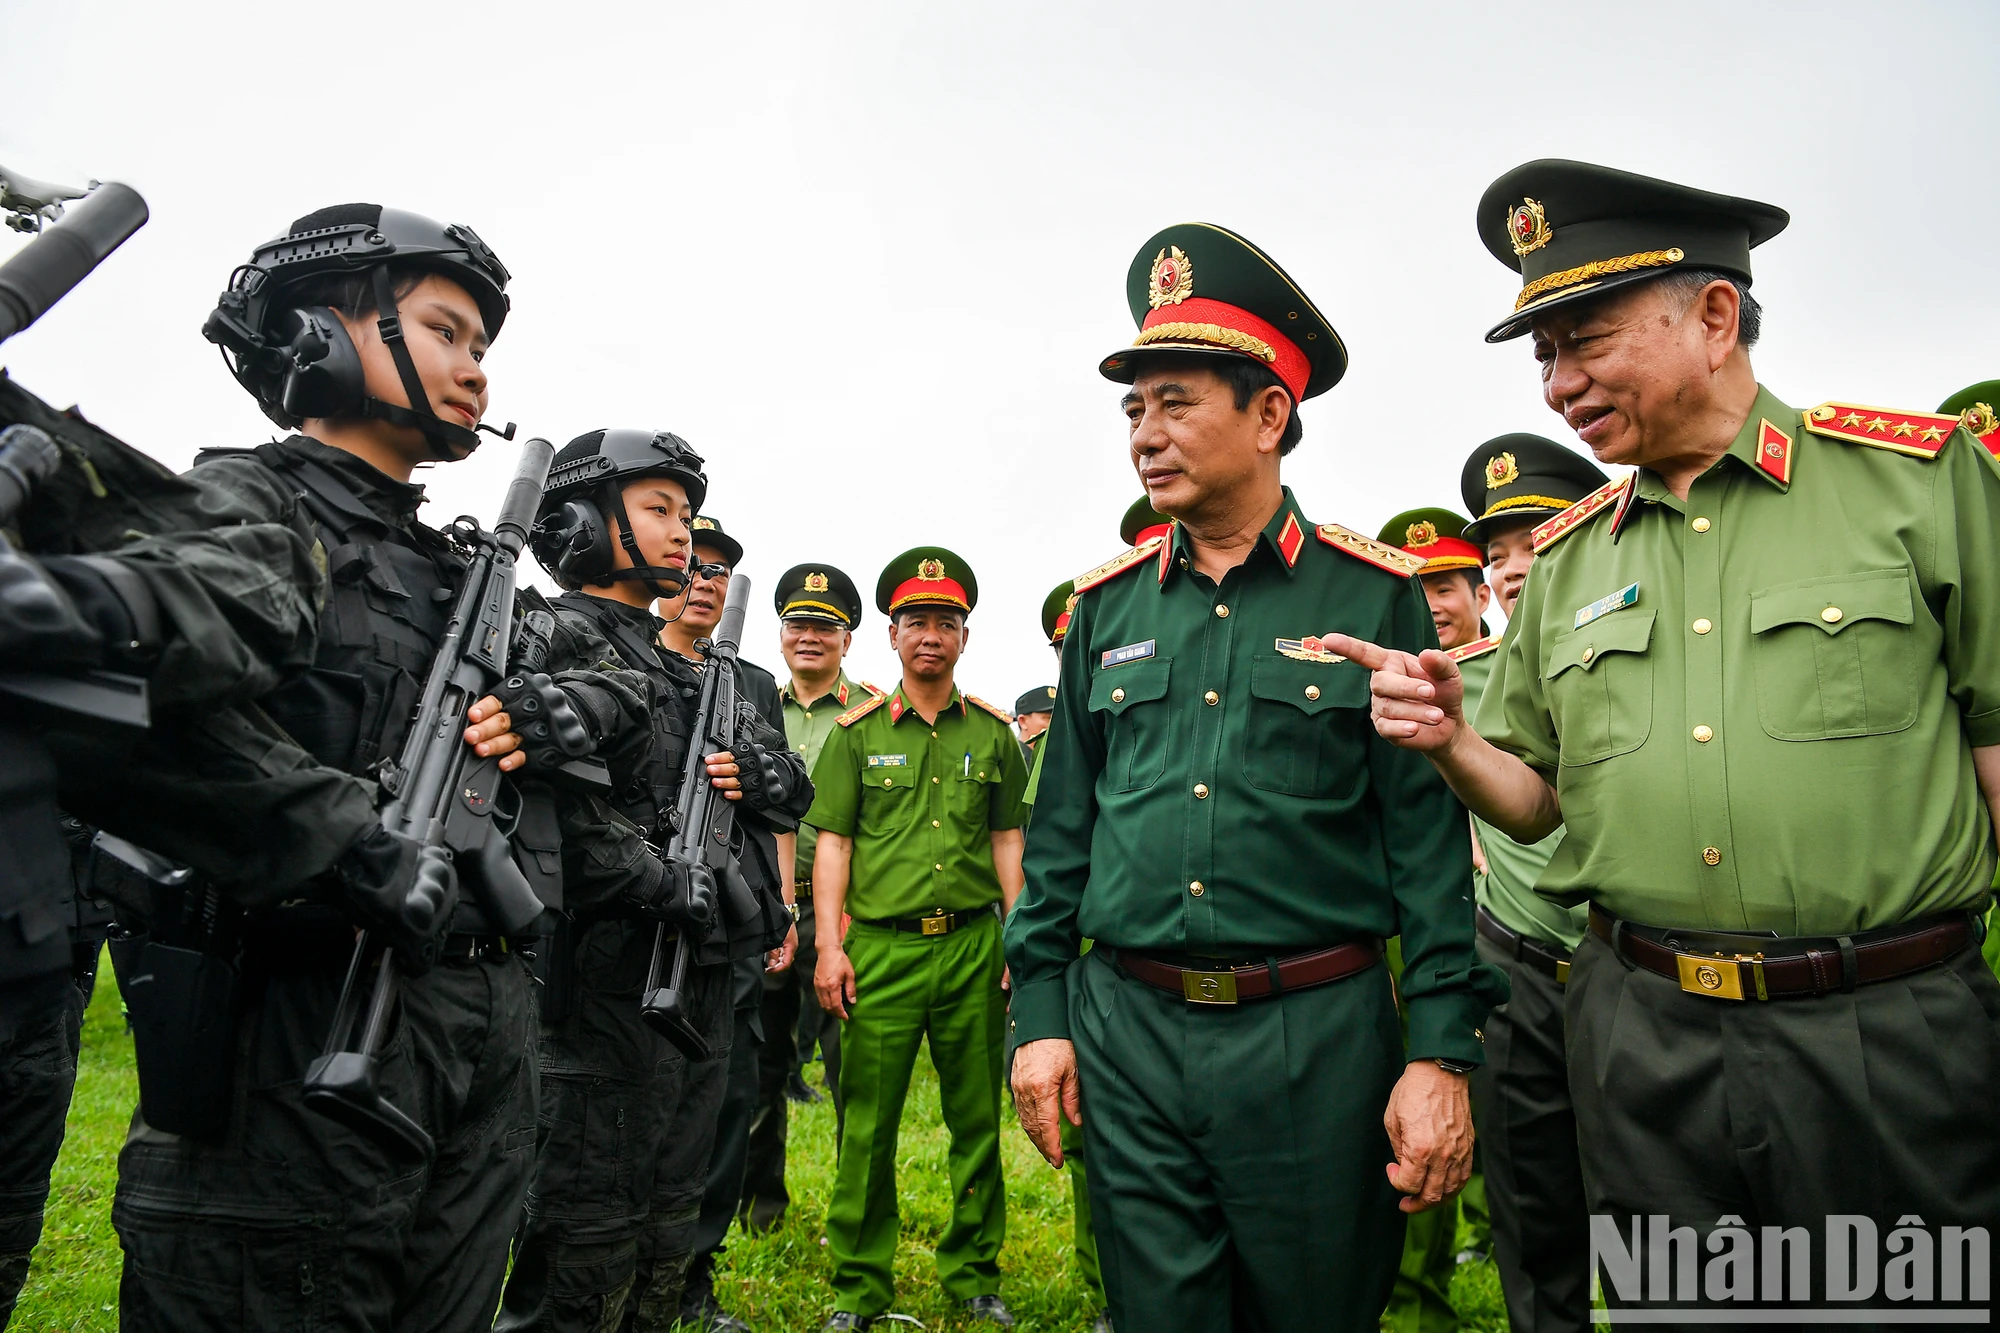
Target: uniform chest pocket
1600	686
888	797
969	789
1836	656
1130	703
1304	735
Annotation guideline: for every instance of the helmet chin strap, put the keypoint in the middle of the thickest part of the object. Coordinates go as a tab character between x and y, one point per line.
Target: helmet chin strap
449	442
640	572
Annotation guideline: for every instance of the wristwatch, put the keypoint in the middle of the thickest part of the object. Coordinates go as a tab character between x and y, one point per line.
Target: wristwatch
793	908
1454	1066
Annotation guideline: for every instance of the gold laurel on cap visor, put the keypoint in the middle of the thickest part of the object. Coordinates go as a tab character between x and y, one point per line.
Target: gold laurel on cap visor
804	609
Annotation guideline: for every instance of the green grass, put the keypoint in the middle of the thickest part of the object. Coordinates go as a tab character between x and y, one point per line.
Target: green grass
776	1281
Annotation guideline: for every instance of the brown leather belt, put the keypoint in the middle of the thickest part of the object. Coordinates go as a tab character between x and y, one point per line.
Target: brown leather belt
1259	981
1544	958
1781	969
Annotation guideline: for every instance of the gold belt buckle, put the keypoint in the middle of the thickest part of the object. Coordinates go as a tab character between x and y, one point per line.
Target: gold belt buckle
1562	971
936	925
1209	987
1719	977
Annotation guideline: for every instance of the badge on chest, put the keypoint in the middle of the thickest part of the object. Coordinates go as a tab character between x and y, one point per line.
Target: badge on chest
1131	652
1604	606
1308	649
888	761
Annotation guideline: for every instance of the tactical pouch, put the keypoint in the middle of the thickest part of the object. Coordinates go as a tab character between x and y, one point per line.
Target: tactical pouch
183	1004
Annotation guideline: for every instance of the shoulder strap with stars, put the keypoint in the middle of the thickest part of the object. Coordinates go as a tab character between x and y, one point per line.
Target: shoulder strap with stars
1000	713
1391	558
1918	434
1117	565
1553	530
1477	648
861	710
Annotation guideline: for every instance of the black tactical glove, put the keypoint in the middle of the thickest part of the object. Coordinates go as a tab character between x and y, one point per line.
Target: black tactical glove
765	785
678	894
552	732
41	626
403	889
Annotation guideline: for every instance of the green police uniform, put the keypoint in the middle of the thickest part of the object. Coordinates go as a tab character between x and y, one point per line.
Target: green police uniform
921	801
1217	811
1041	699
1757	705
1520	1097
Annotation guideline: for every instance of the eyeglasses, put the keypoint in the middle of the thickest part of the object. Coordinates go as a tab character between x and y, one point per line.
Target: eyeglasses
711	571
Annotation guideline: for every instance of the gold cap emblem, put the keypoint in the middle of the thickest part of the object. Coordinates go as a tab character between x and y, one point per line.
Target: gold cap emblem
931	570
1980	419
1527	228
1051	689
1501	470
1421	534
703	523
1173	277
816	582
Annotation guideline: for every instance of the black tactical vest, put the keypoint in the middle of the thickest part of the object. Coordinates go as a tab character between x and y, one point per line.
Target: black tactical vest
648	799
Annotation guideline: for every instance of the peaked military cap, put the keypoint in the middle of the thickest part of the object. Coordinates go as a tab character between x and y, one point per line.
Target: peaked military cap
1041	699
1524	477
1142	523
706	531
817	592
926	576
1432	535
1199	288
1055	611
1977	406
1575	230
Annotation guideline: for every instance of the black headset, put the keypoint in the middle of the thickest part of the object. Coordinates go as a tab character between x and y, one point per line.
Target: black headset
586	491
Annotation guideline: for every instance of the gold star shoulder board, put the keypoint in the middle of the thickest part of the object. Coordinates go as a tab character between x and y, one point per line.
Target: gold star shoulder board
1391	558
1553	530
1000	713
1118	564
861	710
1477	648
1918	434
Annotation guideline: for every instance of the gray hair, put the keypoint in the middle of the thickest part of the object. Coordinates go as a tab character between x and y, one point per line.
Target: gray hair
1683	286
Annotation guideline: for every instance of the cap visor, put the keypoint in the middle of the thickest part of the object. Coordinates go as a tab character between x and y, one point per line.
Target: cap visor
1483	530
1122	366
1518	323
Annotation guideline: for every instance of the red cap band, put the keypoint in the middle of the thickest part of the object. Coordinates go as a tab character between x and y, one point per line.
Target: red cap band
944	591
1201	320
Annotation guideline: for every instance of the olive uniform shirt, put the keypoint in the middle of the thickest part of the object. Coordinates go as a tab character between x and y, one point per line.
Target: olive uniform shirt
1776	732
1212	788
807	725
1507	889
921	802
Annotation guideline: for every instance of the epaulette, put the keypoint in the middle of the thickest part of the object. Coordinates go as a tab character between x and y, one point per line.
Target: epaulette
871	687
1118	564
1918	434
860	710
1549	532
1000	713
1477	648
1392	558
1984	424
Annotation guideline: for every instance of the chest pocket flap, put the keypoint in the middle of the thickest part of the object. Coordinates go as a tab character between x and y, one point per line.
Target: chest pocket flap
1833	603
892	777
1619	632
1116	689
1310	687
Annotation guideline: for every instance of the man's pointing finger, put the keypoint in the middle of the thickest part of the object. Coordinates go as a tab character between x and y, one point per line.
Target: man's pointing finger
1356	650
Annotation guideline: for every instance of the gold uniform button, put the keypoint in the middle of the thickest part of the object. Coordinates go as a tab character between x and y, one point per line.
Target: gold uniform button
982	773
1211	698
935	781
887	783
1195	889
1700	525
1712	855
809	717
938	866
1118	696
1704	734
1703	626
935	824
1831	615
1312	691
1201	791
1589	653
933	735
1222	611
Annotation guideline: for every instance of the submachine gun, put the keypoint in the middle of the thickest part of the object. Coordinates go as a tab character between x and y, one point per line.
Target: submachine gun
450	800
704	834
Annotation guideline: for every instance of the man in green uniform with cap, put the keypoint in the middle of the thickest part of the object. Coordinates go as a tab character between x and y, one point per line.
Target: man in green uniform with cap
818	607
1031	718
1754	678
918	804
1520	1096
1217	813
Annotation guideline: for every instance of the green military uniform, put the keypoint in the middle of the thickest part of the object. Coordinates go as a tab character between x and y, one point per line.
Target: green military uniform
1041	699
1520	1096
1211	774
921	802
1757	705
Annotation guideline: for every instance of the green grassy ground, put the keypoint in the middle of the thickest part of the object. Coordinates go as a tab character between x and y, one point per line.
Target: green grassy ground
777	1281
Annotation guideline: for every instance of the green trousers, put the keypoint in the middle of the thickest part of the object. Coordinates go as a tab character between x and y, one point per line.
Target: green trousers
1420	1300
1079	1194
1237	1153
908	988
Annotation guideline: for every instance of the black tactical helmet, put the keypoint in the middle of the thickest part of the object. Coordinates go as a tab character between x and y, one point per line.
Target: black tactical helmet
297	360
586	487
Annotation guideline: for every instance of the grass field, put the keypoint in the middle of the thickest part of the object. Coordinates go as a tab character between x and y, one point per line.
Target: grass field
776	1281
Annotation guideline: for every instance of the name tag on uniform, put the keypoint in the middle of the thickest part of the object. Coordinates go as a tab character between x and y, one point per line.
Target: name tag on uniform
888	761
1131	652
1604	606
1307	650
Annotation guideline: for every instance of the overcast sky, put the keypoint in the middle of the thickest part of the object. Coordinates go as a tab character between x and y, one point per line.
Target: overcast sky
867	257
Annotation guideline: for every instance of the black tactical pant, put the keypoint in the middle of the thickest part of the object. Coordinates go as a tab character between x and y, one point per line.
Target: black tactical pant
719	1201
291	1221
37	1073
1527	1147
625	1130
1722	1120
793	1024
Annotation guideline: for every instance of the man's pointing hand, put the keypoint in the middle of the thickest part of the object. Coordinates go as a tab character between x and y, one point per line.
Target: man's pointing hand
1416	699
